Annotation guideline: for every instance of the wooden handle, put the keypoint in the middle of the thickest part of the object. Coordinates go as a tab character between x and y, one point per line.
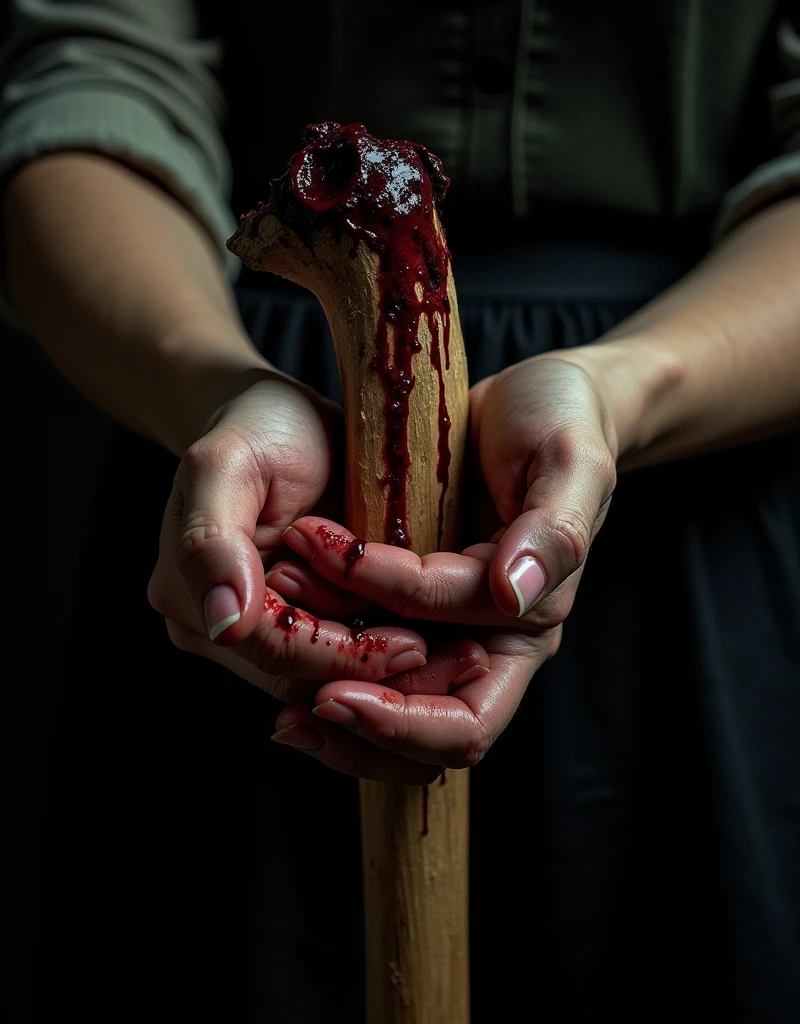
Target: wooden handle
414	839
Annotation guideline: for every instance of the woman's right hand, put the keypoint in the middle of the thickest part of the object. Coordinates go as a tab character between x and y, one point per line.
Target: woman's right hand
270	454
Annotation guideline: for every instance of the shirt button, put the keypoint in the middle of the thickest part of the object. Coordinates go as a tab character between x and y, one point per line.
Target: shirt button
493	72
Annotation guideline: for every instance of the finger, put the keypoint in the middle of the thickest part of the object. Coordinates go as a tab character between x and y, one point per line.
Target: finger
441	587
297	727
207	534
453	729
481	552
450	664
566	502
291	643
302	586
229	658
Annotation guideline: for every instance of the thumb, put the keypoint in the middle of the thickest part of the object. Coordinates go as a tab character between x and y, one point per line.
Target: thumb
221	491
565	505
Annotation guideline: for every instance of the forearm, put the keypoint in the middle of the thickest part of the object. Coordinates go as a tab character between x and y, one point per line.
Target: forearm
123	289
715	360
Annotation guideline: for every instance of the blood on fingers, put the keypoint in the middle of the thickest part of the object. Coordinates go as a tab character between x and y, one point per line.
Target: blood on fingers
361	644
351	550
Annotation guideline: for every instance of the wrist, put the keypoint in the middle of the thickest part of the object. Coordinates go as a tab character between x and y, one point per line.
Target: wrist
207	370
636	379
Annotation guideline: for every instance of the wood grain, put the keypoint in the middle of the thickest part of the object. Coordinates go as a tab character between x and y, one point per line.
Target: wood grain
414	839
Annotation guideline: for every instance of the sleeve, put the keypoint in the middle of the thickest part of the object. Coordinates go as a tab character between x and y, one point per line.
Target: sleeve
779	177
127	78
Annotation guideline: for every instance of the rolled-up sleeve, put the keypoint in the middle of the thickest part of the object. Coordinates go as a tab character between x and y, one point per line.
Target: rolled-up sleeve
779	176
127	78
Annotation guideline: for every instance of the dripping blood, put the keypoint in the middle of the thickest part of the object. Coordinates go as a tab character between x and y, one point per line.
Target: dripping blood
384	194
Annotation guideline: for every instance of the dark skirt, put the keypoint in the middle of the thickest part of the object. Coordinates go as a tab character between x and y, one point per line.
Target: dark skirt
635	831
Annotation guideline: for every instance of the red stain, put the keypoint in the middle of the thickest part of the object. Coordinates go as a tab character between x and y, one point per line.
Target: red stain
288	618
360	644
383	193
353	555
352	551
389	697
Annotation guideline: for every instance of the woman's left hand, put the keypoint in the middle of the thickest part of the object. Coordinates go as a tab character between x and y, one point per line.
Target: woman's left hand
545	443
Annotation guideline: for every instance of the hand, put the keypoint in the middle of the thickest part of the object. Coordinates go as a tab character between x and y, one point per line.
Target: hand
410	727
545	443
267	457
544	439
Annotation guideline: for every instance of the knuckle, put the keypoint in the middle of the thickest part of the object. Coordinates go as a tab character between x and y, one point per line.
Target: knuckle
411	599
215	454
272	652
476	748
551	612
197	457
573	533
390	737
423	597
603	468
197	534
280	680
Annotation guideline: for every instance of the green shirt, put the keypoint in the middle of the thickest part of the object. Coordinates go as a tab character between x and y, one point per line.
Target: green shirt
665	121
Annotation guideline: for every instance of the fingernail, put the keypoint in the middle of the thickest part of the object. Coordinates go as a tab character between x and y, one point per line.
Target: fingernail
298	542
403	662
527	581
299	736
221	609
287	586
333	711
467	676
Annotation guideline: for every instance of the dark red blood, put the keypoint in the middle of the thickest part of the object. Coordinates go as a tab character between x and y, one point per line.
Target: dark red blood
353	554
361	643
443	462
331	540
287	618
352	551
368	642
382	192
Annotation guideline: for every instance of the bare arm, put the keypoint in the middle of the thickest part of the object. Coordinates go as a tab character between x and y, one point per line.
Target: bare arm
125	291
715	360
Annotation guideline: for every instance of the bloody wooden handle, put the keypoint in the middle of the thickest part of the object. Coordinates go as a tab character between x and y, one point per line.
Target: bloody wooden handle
414	839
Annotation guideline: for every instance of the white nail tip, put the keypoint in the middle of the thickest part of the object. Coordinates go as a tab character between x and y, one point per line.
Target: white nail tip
223	624
521	567
518	595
